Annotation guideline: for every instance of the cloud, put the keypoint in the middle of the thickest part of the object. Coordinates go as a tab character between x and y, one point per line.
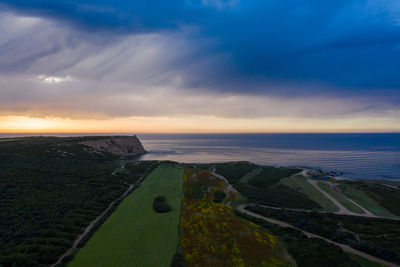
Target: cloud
236	65
53	79
346	45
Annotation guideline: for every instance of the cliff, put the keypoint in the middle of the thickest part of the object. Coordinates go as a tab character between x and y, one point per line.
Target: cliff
127	146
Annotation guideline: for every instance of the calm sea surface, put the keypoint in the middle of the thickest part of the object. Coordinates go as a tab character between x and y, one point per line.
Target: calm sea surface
356	155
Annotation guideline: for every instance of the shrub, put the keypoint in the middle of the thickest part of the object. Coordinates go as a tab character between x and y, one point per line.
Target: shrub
219	196
160	205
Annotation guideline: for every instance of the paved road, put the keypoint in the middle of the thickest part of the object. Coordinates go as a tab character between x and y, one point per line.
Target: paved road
346	248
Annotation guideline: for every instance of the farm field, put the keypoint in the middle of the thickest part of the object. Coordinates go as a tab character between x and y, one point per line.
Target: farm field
211	235
347	204
299	183
135	233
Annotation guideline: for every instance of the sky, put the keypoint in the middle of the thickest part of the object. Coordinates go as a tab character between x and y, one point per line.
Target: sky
199	66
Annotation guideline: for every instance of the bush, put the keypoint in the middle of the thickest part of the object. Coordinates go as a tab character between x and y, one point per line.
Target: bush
219	196
160	205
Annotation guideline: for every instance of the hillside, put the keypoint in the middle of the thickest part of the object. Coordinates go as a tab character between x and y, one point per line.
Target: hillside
56	193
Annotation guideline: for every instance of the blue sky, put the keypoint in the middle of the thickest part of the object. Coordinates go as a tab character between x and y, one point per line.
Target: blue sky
316	60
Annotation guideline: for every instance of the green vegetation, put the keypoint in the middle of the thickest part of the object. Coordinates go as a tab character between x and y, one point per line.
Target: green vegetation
268	191
378	237
136	235
133	172
50	190
271	175
233	171
278	195
306	251
365	201
388	197
7	139
211	235
160	205
300	184
219	196
364	262
347	204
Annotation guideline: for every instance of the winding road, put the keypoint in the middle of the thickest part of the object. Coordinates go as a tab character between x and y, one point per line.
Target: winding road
346	248
342	211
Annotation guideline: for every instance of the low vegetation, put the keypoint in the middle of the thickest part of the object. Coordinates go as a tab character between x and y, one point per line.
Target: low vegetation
300	184
363	262
271	175
382	200
378	237
346	203
136	235
265	188
160	205
219	196
50	190
233	171
306	251
211	235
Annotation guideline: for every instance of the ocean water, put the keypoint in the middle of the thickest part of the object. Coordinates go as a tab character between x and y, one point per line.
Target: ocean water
368	156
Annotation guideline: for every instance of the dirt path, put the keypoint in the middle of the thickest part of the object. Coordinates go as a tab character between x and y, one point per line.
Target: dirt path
230	187
342	209
92	223
120	169
250	175
346	248
335	188
318	211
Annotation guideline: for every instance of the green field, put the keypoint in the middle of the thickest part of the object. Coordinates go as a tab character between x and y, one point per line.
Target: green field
347	204
135	235
300	184
368	203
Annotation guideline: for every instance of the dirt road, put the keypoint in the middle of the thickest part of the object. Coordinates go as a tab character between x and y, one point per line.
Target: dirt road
90	226
346	248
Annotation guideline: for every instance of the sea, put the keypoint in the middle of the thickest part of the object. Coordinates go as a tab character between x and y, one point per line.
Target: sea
358	155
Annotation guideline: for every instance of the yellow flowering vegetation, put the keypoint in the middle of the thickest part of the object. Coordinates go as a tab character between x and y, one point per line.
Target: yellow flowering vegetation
211	235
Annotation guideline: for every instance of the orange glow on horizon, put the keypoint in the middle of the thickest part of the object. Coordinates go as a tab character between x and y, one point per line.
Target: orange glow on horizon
192	124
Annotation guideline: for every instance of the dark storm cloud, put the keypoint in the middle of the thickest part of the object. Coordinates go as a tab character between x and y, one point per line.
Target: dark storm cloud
350	45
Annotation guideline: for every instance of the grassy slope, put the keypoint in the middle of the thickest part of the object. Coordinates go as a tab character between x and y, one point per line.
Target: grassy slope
299	183
361	198
135	235
364	262
347	204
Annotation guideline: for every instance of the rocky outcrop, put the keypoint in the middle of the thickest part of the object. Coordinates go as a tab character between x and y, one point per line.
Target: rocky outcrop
128	146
